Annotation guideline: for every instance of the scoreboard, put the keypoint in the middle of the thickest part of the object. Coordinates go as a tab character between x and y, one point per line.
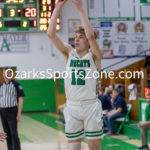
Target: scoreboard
26	15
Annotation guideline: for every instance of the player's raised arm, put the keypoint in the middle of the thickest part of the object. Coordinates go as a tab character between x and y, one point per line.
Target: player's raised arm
51	32
88	31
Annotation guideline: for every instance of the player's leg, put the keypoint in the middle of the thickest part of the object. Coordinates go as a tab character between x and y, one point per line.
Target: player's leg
94	144
75	144
93	125
73	127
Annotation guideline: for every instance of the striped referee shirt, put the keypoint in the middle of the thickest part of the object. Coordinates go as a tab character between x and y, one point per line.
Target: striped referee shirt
9	94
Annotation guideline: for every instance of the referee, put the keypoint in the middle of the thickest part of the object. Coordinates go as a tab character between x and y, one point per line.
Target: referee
11	101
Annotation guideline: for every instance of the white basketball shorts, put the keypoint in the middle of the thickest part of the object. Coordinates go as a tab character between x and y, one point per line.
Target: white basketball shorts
83	118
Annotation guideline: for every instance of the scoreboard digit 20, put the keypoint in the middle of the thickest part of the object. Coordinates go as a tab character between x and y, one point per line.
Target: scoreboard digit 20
26	15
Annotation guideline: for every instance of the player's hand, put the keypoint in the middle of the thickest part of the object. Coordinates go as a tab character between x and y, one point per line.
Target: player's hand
60	3
3	136
78	4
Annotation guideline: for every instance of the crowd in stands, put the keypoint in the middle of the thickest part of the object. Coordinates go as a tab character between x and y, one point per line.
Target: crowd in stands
113	105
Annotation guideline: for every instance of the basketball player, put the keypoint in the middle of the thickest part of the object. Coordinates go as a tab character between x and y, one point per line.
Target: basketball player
83	112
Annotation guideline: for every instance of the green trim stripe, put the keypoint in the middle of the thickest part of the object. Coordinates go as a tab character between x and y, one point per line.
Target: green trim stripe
94	132
74	132
94	135
134	9
103	9
119	8
75	135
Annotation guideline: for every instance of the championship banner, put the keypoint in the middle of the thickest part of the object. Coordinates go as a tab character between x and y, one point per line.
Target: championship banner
14	42
123	38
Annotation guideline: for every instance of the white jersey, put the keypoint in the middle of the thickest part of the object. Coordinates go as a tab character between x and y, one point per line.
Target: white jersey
82	83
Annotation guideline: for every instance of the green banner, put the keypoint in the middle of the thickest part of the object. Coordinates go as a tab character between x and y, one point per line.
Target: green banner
145	1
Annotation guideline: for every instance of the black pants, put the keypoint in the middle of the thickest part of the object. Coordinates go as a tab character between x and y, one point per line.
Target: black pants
9	121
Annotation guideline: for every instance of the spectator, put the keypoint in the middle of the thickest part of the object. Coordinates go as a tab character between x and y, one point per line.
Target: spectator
105	100
108	90
100	89
145	125
120	89
110	87
119	109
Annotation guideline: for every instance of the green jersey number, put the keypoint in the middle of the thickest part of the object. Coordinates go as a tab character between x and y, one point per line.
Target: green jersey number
80	80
